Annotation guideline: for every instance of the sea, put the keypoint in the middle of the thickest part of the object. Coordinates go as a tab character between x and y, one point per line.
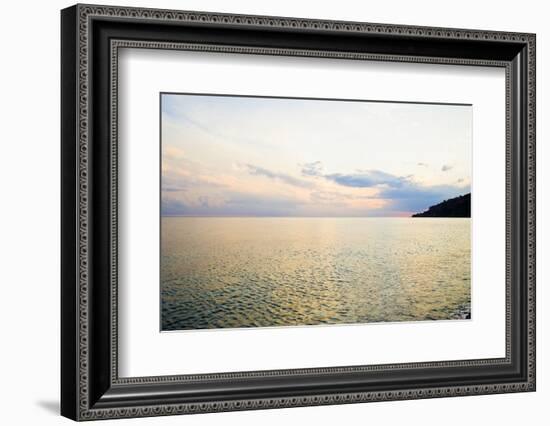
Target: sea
240	272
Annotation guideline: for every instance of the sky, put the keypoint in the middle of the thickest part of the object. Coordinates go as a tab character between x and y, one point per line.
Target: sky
252	156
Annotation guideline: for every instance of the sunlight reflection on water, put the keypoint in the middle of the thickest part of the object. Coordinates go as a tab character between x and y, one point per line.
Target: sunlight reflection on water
259	272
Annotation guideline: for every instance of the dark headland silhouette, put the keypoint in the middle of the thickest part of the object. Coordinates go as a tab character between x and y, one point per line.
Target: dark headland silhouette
454	207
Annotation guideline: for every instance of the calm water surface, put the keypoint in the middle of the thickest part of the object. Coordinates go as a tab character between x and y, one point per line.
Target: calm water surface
258	272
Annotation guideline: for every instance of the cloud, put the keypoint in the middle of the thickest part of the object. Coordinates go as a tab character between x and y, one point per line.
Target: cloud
174	189
290	180
312	169
366	179
413	197
402	192
174	153
181	183
233	204
446	167
173	207
360	179
332	198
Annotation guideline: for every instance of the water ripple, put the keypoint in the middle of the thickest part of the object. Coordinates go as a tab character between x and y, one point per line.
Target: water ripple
259	272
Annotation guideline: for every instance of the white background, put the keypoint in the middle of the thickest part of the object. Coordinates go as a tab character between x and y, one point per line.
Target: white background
29	229
146	352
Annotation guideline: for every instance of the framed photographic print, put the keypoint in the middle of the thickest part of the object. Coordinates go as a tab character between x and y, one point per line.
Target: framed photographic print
263	212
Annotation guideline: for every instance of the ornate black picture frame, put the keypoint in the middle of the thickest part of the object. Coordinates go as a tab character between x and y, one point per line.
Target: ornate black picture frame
91	387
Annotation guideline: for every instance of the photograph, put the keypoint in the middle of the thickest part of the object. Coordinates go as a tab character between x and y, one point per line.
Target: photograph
264	209
280	211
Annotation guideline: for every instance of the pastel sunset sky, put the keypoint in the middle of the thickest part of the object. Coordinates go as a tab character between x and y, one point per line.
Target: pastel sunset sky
247	156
